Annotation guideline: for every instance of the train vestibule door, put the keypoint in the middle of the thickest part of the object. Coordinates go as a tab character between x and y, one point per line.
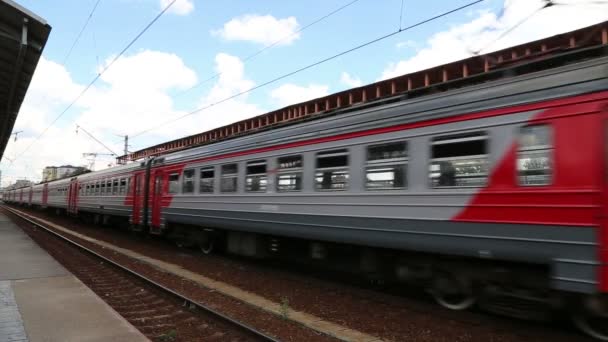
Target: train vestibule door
73	197
155	203
136	191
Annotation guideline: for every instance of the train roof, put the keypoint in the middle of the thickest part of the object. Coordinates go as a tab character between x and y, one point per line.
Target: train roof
590	42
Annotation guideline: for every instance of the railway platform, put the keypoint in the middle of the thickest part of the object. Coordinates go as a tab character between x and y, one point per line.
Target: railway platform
42	301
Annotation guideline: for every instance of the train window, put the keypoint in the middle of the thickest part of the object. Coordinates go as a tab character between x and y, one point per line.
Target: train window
174	183
386	166
206	181
534	155
123	186
188	182
332	170
289	177
255	180
109	187
459	160
229	178
102	188
115	186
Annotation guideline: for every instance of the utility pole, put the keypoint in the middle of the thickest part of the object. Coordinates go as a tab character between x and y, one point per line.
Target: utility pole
126	148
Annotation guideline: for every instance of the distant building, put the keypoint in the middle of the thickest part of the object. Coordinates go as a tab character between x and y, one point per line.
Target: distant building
57	172
21	183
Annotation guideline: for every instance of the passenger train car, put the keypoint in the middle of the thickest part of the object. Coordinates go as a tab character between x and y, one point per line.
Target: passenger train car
493	190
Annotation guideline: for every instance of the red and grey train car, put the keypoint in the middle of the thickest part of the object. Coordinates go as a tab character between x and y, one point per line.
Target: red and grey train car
498	188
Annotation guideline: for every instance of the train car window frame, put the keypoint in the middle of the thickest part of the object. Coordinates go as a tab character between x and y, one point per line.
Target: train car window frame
188	181
386	162
230	179
542	174
289	173
115	186
108	187
206	180
462	162
173	183
332	170
256	178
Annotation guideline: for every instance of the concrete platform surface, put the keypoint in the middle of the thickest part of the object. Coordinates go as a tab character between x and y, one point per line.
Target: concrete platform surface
40	301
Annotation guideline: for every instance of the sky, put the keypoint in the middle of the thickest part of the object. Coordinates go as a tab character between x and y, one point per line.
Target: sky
201	52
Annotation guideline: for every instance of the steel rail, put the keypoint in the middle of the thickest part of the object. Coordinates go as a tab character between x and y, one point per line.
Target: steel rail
191	302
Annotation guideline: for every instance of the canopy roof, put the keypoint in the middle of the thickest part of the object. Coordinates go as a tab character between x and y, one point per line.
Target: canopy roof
23	35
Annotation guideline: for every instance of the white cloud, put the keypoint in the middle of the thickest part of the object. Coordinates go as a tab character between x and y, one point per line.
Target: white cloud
485	27
407	44
288	94
231	81
262	29
350	81
131	95
180	7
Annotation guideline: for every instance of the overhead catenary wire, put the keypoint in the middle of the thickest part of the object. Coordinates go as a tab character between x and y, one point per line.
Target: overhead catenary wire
84	27
90	84
78	127
400	30
271	45
513	27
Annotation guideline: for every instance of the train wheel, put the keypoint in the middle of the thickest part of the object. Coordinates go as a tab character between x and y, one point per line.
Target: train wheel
592	318
453	292
208	246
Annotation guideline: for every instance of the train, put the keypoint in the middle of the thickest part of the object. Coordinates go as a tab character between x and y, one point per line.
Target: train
492	193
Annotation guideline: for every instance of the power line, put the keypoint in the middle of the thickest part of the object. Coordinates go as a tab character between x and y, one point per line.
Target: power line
401	15
271	45
96	78
310	66
78	127
65	59
512	28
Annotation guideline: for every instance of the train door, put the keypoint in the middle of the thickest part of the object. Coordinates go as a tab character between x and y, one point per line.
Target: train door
45	194
603	235
136	193
73	197
155	205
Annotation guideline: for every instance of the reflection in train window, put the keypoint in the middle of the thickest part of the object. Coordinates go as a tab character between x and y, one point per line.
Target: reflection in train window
255	180
289	176
188	182
386	166
174	183
229	178
207	179
459	160
332	170
534	155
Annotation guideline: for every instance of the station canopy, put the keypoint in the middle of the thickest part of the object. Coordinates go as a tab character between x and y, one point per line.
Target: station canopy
23	35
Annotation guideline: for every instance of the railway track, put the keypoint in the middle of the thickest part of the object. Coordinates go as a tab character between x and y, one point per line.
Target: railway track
160	313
